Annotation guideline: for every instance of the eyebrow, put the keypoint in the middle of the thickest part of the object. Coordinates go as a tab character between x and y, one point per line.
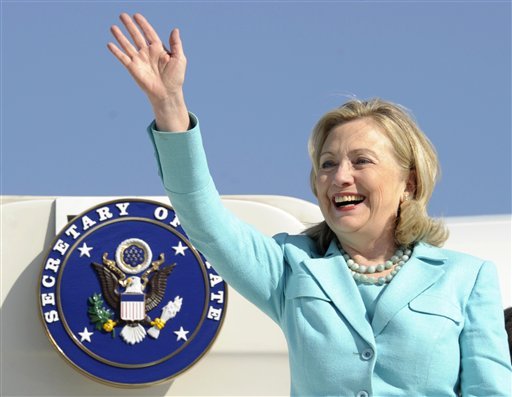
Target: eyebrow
352	152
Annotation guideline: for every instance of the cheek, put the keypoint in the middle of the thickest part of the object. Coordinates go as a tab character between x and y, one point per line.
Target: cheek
320	184
384	195
386	200
388	184
321	187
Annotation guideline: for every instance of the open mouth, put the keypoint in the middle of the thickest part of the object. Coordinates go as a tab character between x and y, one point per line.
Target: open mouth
347	200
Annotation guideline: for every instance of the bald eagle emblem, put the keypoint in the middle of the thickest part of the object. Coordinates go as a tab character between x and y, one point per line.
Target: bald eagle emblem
124	296
133	285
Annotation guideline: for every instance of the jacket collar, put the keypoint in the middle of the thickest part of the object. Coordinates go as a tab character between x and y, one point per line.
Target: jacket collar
421	271
429	253
334	277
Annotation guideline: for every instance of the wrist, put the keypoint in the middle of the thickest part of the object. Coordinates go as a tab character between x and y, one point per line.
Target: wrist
171	114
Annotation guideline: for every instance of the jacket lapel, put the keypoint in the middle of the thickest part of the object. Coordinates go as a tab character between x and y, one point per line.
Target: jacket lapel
421	271
335	279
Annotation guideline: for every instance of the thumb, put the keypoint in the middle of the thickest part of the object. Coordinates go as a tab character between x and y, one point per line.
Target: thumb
175	43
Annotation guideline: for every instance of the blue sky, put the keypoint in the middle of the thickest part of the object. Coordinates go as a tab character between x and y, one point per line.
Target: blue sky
260	75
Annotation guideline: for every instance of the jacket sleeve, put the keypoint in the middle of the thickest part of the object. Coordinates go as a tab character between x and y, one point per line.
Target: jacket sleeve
249	261
485	360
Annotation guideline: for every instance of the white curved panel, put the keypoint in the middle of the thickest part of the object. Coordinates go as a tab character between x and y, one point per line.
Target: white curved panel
249	357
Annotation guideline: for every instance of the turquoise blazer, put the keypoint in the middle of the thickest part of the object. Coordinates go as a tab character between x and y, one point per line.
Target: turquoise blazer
437	330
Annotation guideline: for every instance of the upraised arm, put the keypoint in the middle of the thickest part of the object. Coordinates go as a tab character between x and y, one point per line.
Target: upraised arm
158	71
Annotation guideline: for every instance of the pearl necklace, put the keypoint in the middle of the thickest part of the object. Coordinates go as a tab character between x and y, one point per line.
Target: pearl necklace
359	272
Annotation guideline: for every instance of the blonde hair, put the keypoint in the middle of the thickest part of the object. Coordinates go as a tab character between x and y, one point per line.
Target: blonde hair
414	152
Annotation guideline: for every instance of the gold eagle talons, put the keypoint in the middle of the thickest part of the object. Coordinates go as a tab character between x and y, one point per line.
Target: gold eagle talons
112	266
153	268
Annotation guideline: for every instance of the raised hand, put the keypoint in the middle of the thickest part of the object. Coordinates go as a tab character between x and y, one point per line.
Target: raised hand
158	71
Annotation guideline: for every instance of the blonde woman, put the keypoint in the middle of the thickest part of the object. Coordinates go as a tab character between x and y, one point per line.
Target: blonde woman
368	302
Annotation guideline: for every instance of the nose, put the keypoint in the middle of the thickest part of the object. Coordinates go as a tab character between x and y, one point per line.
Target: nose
343	174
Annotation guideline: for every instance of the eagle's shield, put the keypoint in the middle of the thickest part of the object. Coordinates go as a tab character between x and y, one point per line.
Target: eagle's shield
133	306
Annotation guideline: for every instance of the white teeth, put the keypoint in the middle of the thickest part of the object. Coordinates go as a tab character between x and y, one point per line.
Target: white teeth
342	199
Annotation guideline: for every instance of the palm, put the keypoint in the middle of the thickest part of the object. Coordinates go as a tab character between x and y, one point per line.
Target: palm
156	71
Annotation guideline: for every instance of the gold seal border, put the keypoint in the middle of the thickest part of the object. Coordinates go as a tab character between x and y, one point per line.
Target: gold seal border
70	362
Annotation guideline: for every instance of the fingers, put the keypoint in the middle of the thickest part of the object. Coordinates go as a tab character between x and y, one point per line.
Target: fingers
134	31
149	32
141	40
123	41
123	58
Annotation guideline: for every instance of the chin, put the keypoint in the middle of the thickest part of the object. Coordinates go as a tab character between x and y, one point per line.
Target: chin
344	226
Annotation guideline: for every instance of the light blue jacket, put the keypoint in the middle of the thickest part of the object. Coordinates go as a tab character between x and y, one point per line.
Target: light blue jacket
437	330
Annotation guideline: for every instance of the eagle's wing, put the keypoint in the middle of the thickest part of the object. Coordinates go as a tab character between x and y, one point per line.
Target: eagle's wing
158	284
109	283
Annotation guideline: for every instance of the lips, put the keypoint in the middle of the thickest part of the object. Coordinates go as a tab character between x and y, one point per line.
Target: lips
346	200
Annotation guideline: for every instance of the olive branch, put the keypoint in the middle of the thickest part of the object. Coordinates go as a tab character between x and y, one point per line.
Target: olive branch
100	316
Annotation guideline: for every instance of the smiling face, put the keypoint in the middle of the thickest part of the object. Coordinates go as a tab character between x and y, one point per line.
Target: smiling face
359	182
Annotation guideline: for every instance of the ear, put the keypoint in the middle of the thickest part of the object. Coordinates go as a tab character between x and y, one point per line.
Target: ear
410	186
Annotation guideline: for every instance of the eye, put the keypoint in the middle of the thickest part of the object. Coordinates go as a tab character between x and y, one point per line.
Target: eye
362	161
327	164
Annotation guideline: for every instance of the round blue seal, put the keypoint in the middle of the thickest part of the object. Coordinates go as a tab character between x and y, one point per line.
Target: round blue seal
126	298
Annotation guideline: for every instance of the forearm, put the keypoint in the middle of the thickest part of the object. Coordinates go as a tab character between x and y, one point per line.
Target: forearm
248	260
